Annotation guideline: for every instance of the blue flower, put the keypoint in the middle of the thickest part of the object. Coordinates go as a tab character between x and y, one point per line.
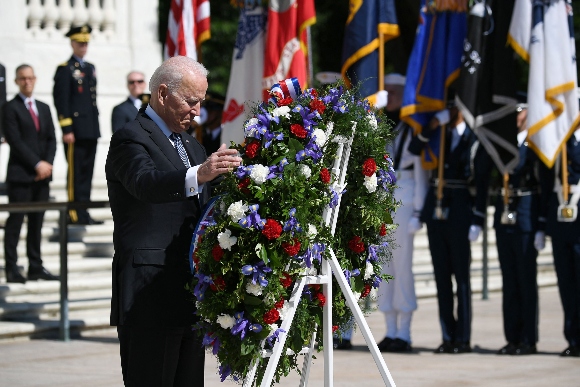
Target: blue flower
256	328
300	155
225	371
202	284
258	272
274	337
241	326
253	219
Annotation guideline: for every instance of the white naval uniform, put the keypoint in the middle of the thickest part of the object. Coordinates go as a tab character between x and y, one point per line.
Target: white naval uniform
397	299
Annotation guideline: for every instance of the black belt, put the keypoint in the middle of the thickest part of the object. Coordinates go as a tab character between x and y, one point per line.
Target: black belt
451	183
518	192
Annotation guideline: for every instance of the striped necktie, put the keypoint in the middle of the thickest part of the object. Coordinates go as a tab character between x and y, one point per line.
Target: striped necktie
176	138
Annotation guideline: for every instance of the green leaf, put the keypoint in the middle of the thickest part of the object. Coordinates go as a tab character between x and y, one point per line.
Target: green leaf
247	348
262	253
252	300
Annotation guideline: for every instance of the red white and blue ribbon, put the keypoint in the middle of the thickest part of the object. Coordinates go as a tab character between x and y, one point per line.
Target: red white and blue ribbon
288	88
200	230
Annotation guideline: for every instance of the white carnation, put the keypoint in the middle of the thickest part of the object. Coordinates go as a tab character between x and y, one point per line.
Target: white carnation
369	270
320	137
259	173
371	183
372	120
305	170
312	231
226	321
284	310
273	327
237	210
254	289
226	240
282	111
251	132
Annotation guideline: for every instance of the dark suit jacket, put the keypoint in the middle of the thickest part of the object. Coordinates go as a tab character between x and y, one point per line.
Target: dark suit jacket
154	223
27	146
75	99
123	113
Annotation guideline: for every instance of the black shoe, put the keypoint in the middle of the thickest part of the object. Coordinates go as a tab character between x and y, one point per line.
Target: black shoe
525	349
461	348
13	276
509	349
341	344
445	347
89	221
42	273
572	351
384	344
399	345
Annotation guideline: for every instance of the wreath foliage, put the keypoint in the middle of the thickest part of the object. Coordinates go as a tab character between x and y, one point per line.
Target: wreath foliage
266	227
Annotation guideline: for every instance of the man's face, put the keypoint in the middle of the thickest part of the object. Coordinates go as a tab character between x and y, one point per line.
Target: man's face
395	97
180	108
25	79
79	48
136	84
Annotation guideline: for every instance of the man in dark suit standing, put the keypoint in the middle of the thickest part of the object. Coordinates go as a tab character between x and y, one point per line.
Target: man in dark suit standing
29	131
75	99
2	97
127	110
156	176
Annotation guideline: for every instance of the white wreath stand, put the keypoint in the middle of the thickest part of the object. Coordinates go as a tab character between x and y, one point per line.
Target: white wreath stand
329	267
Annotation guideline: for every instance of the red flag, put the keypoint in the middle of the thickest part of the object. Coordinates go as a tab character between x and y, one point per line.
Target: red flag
188	27
286	44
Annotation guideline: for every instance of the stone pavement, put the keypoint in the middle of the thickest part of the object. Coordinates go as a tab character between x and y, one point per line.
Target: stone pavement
92	360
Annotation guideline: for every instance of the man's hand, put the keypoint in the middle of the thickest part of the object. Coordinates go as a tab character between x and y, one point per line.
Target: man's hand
43	170
474	231
540	240
222	161
68	138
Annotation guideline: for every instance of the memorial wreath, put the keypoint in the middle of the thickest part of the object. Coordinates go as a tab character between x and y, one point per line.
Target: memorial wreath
264	229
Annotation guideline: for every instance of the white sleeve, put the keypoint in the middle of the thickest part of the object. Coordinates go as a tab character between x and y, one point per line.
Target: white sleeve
191	187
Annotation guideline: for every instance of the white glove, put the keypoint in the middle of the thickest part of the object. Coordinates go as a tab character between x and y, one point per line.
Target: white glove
540	240
474	231
414	225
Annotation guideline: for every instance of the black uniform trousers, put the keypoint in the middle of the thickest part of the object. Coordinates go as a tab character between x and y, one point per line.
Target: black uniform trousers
517	258
80	173
174	348
18	193
451	255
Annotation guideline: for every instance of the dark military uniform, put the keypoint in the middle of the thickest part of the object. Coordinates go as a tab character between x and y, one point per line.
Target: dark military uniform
515	245
75	99
566	246
449	244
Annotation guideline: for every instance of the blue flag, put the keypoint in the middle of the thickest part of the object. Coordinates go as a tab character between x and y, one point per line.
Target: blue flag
434	64
367	20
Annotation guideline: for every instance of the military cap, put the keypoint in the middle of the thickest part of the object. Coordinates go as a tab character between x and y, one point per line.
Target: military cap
80	34
214	101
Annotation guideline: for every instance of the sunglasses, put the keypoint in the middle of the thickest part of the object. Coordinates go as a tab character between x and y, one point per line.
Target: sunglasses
137	81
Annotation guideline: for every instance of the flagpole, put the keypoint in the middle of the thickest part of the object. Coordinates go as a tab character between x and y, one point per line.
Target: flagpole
440	181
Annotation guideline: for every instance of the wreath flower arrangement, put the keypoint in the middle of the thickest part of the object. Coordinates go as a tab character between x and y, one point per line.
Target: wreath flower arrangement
265	228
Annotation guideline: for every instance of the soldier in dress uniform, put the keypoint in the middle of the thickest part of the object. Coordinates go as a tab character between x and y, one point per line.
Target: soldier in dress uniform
517	220
448	220
75	99
563	225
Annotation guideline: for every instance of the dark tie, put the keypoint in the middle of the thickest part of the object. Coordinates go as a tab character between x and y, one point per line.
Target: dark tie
33	115
176	138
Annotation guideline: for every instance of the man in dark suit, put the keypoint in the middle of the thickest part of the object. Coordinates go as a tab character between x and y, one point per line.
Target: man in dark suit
448	229
156	176
2	97
127	110
75	99
29	131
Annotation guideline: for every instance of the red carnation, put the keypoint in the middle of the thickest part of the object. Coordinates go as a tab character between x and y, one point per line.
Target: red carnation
298	130
356	244
271	316
285	101
286	281
316	287
313	93
218	284
366	291
272	229
217	253
243	185
334	328
279	304
291	248
369	167
317	105
321	299
325	175
383	231
252	149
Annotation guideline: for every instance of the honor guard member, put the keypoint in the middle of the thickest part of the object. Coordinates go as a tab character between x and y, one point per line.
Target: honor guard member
563	226
447	214
75	99
397	299
516	221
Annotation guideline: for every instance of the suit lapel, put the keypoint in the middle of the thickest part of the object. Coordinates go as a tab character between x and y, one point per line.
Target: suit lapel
160	140
26	114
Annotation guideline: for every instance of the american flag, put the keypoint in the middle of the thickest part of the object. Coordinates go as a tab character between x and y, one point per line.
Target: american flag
188	27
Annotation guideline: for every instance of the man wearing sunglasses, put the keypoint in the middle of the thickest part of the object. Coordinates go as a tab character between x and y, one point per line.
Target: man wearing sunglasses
127	110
